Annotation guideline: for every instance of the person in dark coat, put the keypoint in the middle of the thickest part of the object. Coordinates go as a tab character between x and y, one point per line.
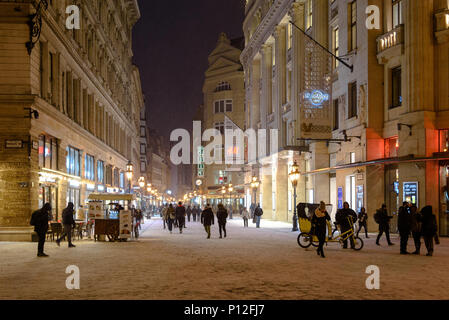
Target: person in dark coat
345	218
319	222
258	212
404	226
180	213
222	215
40	219
189	213
416	228
69	223
194	213
363	221
207	219
384	224
171	217
429	228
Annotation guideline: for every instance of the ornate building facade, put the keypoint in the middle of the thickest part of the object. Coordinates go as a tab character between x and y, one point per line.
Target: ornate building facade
88	97
368	129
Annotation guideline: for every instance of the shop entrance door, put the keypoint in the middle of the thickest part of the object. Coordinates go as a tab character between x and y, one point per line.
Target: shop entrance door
444	199
49	194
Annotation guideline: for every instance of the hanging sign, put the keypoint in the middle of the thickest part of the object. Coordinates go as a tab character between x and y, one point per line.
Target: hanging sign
316	98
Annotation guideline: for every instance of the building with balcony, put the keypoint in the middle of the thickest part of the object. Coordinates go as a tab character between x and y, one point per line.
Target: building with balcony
383	109
87	94
223	108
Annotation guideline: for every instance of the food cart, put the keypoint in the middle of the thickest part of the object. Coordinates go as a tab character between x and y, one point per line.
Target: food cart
110	220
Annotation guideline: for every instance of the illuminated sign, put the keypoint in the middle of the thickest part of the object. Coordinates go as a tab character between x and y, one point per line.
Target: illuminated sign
101	188
316	97
199	182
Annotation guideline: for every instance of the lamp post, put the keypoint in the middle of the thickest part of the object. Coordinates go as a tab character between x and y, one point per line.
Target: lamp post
294	177
223	192
254	185
129	174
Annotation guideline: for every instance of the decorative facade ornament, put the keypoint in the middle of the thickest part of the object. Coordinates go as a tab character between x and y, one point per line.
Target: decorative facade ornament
35	24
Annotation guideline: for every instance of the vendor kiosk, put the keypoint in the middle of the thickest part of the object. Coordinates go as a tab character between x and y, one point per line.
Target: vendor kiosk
111	215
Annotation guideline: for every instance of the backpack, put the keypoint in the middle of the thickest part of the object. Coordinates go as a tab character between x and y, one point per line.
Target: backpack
377	217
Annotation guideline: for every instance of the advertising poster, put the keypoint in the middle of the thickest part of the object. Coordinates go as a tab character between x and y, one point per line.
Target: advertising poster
410	190
340	198
96	210
126	222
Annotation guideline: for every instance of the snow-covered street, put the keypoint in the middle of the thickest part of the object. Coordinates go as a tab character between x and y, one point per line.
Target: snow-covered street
251	263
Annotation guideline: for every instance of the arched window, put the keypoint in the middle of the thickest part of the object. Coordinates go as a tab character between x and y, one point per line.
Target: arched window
223	86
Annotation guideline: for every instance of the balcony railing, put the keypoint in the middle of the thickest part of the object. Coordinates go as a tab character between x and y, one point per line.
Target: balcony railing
388	40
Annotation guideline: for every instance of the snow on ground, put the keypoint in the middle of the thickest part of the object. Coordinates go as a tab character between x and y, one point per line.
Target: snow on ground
251	263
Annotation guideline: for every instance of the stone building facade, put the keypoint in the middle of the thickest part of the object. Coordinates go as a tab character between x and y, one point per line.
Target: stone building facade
384	123
223	108
88	95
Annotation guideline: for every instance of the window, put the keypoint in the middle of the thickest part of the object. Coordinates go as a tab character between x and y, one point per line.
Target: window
352	157
143	148
444	140
309	8
100	172
122	180
73	161
352	26
336	119
222	106
89	169
397	13
143	166
396	87
220	127
223	86
142	132
335	45
391	147
48	152
352	100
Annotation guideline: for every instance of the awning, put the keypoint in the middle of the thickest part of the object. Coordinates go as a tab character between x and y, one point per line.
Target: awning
111	197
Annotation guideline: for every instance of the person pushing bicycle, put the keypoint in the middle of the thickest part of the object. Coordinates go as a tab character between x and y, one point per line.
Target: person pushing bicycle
344	217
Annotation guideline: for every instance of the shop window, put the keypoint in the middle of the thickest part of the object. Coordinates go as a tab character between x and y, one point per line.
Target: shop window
391	147
444	140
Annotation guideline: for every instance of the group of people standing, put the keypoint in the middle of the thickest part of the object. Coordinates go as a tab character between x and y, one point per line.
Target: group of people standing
176	216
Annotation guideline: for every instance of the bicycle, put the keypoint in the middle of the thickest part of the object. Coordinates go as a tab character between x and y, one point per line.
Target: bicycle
307	239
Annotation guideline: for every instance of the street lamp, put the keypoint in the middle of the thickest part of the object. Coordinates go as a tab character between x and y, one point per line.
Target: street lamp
294	177
223	191
129	174
254	185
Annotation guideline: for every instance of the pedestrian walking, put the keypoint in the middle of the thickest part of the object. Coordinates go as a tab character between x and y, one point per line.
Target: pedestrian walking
230	211
171	217
251	209
222	215
345	218
245	216
69	224
189	213
164	215
404	226
363	221
416	228
319	224
40	219
207	219
383	219
258	212
194	213
180	213
139	218
429	228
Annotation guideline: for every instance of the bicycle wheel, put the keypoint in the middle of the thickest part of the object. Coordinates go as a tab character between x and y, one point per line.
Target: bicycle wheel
358	244
304	240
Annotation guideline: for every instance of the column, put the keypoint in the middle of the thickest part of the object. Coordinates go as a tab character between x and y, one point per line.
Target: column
282	182
419	55
266	78
255	93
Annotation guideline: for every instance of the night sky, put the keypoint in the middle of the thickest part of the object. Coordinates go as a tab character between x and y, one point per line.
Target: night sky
171	43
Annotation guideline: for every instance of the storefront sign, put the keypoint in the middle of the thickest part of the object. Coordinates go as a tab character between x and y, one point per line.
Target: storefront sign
360	195
410	192
316	97
340	197
13	144
126	222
